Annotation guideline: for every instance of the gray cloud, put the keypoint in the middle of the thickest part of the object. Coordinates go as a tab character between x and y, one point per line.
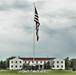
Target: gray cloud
57	30
18	4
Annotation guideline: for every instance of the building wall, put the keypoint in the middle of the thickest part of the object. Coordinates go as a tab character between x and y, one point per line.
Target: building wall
35	62
58	64
15	64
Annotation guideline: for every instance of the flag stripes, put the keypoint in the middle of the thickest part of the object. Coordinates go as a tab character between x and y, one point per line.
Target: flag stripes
36	19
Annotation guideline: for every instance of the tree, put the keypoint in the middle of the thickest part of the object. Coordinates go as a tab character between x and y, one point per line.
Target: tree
25	66
7	61
67	65
47	65
2	65
73	64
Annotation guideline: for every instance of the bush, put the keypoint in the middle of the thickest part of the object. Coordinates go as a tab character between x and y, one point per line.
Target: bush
74	69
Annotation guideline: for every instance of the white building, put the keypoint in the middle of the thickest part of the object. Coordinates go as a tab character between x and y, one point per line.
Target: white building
17	63
58	64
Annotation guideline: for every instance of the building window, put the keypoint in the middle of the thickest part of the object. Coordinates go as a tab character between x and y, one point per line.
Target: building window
25	61
61	66
40	61
16	66
36	61
61	61
57	61
11	61
28	61
57	66
44	61
16	62
20	61
32	61
12	66
53	61
53	66
20	66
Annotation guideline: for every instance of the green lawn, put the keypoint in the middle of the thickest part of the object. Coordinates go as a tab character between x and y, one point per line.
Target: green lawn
49	72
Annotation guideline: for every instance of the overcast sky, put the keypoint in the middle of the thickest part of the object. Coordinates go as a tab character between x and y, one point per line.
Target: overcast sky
57	29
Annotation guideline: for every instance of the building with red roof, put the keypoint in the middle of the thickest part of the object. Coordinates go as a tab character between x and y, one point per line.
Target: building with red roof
17	63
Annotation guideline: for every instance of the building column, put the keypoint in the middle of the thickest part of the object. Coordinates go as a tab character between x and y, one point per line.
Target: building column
39	67
42	66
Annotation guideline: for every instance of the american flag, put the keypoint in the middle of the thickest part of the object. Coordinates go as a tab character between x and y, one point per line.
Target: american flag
36	19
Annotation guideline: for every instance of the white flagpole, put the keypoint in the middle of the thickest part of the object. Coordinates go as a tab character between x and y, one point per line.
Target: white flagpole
34	26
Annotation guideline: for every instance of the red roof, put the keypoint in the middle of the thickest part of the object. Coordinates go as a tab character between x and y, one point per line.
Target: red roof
37	58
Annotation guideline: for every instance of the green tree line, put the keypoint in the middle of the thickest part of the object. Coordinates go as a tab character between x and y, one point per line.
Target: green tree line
70	63
5	64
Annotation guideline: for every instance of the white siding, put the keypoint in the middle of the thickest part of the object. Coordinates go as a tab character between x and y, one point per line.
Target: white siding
35	62
15	64
58	64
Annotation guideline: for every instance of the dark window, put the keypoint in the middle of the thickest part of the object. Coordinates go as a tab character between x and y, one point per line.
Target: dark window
16	61
28	61
61	61
12	66
20	66
11	61
61	66
57	66
53	62
25	61
36	61
44	61
20	61
41	62
16	66
53	66
57	61
32	61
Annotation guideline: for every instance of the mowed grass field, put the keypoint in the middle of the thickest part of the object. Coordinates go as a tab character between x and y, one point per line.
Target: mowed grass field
48	72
